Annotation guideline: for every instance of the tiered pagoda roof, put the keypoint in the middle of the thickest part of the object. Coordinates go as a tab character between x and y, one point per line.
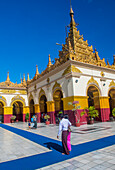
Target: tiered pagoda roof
77	49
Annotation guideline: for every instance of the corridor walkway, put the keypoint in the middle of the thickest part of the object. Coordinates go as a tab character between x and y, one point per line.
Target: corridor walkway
93	147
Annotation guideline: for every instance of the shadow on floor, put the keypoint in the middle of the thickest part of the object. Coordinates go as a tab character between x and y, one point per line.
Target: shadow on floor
55	146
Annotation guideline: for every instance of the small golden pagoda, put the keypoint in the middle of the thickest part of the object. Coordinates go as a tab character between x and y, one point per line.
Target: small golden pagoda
9	84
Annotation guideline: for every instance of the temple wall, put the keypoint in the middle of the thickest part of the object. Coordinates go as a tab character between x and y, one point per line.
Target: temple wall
8	97
74	86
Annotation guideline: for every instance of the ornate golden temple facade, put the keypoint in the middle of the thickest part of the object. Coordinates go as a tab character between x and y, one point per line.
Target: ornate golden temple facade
79	74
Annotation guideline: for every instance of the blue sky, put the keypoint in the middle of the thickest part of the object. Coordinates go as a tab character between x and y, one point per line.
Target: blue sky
29	30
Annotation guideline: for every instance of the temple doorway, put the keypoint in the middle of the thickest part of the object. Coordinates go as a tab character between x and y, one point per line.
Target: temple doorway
43	104
32	109
111	100
18	110
57	97
1	112
43	107
93	100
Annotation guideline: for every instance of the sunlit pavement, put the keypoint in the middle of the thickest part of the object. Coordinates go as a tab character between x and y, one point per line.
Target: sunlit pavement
14	146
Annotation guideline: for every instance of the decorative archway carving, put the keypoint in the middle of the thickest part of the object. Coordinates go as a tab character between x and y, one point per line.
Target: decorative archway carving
92	81
42	92
3	100
19	99
112	83
56	86
30	97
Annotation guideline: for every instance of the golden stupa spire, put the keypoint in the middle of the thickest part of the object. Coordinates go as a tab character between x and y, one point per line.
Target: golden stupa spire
72	23
73	29
21	80
24	78
107	62
28	79
8	79
49	61
37	72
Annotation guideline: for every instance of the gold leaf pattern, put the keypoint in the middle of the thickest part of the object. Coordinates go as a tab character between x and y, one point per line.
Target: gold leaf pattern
22	92
8	91
71	69
92	81
56	85
112	83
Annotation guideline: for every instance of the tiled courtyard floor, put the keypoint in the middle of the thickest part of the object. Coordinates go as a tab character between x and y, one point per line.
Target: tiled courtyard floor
14	146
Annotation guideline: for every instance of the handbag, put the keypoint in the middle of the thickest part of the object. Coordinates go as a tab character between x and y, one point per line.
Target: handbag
69	129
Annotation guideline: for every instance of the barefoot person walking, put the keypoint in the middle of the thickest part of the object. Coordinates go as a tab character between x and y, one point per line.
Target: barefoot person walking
63	126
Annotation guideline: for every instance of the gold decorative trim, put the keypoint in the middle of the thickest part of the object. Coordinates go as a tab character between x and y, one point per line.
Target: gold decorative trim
102	74
75	70
112	83
70	69
3	100
18	98
22	92
42	92
8	91
56	85
92	81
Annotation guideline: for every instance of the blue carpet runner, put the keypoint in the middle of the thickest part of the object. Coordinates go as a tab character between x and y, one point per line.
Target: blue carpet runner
54	155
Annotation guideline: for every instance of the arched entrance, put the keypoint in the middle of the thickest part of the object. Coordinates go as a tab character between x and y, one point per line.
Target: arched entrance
32	109
1	112
57	97
18	110
43	107
111	100
43	104
93	94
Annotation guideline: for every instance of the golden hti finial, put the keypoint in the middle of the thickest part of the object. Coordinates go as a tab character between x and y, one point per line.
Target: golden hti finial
24	80
72	23
8	79
37	72
107	62
28	78
49	61
21	80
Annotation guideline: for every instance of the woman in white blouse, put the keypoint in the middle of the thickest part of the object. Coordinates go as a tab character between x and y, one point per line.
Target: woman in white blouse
63	126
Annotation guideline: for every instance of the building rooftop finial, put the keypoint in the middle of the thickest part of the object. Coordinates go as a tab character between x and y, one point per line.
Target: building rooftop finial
49	61
71	10
72	23
28	78
37	72
8	79
24	78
